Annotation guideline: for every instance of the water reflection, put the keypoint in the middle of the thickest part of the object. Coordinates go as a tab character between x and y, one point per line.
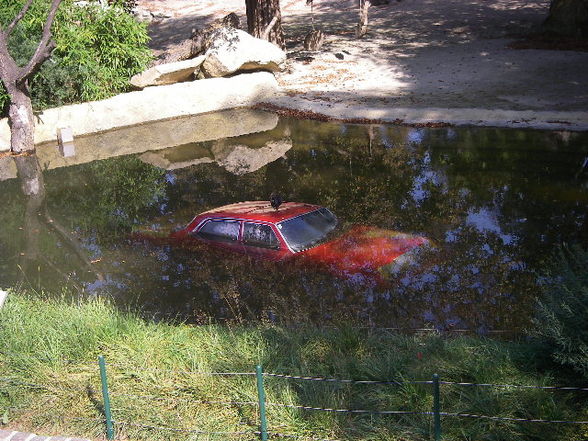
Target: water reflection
496	203
229	153
41	231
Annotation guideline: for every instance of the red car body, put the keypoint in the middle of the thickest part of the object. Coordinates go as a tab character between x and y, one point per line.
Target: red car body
359	252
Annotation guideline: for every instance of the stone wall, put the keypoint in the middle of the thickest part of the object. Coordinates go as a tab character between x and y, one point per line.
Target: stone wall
151	104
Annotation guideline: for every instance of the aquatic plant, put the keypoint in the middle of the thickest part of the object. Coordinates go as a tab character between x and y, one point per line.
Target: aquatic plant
563	309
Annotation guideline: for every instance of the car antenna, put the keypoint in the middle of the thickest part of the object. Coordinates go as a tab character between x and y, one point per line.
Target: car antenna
276	200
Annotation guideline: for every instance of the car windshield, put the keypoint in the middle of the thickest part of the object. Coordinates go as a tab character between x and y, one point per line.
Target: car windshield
308	230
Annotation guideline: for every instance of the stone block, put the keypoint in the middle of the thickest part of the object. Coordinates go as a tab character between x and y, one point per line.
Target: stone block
65	140
168	73
6	435
23	436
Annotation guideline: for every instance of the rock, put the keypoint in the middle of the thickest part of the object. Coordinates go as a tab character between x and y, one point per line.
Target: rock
143	16
306	59
168	73
195	44
201	38
173	52
233	50
241	159
314	40
196	155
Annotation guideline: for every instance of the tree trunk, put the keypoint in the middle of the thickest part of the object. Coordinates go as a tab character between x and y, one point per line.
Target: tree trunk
20	119
16	78
33	187
20	111
260	15
568	18
362	25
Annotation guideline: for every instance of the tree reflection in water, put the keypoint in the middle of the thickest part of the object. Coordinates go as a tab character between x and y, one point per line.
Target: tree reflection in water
496	204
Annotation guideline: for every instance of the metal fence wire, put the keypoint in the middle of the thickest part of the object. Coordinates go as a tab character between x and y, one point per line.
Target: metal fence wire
264	433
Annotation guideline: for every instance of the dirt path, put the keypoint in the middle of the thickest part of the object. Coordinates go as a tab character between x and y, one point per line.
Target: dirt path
418	55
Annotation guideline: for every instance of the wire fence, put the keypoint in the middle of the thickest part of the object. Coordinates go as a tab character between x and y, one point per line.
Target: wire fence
260	429
264	433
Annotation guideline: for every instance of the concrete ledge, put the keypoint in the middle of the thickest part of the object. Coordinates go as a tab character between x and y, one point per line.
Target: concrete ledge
151	104
527	119
181	131
9	435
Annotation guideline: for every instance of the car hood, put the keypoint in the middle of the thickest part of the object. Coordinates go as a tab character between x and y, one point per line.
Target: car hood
363	249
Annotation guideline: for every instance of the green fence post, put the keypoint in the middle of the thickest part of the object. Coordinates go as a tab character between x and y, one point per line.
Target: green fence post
106	397
261	397
436	408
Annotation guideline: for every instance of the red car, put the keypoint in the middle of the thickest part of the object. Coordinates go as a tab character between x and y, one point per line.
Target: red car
301	231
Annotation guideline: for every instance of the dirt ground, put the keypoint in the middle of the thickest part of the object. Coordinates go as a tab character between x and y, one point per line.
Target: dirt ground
421	60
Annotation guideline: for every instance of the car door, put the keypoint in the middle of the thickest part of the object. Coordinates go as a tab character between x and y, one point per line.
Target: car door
221	233
260	240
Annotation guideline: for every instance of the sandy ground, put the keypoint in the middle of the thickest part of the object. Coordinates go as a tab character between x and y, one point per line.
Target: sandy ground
422	61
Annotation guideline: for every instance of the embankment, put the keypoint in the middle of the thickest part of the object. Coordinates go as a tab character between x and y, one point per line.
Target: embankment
168	380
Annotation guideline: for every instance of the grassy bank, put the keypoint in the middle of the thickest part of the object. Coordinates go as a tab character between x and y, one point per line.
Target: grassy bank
49	381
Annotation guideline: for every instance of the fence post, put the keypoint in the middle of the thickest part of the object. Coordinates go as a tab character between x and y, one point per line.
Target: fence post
106	398
436	408
261	397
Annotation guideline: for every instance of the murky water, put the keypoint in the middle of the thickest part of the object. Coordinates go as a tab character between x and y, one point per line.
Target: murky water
496	203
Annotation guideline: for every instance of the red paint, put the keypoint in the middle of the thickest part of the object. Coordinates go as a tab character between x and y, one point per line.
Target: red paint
258	211
361	250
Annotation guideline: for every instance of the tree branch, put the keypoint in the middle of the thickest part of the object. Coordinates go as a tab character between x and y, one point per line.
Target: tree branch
18	17
45	47
8	68
269	28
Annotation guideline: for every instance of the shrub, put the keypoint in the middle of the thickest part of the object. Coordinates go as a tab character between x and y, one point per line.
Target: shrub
563	310
98	50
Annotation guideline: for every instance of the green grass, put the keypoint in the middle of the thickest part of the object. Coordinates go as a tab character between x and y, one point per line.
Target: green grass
49	378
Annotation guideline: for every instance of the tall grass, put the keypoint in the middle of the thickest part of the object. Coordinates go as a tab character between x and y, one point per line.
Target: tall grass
49	380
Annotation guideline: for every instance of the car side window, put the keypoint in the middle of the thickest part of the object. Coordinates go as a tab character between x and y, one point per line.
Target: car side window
260	235
220	230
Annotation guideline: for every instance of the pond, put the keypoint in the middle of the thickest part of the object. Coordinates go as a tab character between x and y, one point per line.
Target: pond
497	205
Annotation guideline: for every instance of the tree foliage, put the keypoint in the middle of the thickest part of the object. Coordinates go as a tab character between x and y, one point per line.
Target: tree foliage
98	50
563	312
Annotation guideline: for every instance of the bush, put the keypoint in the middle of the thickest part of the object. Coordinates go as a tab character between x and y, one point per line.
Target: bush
563	311
98	50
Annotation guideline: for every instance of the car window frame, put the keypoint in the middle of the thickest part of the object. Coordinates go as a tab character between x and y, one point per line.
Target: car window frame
283	238
202	224
283	245
272	228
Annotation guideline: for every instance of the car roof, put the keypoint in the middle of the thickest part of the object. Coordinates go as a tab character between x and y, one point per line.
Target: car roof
261	211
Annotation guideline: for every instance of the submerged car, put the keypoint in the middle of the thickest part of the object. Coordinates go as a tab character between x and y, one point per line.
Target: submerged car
304	232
